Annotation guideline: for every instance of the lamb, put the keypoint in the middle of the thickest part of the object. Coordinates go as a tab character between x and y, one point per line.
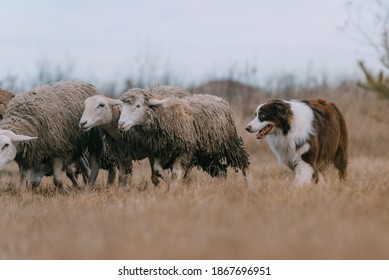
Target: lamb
104	112
197	130
41	125
37	172
81	166
5	98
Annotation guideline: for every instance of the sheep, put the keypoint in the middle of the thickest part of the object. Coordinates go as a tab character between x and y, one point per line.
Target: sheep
197	130
5	98
43	169
104	112
41	125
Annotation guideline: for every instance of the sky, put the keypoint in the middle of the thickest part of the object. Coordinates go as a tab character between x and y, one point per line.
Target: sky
194	40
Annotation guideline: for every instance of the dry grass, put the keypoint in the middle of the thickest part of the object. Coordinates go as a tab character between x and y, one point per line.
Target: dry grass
216	219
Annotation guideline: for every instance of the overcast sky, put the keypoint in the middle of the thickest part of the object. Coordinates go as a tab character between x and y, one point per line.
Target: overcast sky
110	39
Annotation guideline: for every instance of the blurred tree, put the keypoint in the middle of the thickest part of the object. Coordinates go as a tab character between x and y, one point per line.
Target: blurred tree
379	84
369	23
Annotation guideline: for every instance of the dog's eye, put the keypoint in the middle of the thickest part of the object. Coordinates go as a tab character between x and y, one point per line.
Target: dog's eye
261	116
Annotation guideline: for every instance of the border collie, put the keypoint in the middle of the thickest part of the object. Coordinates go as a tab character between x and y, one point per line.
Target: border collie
305	135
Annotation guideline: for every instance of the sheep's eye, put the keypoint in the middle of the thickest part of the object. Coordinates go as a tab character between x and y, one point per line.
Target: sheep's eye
5	146
101	105
138	106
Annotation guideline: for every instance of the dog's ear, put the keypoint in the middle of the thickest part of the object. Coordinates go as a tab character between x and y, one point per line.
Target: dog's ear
283	111
282	108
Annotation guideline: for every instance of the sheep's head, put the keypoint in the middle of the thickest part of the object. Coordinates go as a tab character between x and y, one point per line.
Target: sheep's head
8	142
97	111
38	171
134	110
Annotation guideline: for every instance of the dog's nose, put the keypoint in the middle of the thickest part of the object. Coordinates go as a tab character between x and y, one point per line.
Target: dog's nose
248	128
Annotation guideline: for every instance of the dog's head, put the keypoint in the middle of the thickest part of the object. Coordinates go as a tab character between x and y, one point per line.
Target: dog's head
272	116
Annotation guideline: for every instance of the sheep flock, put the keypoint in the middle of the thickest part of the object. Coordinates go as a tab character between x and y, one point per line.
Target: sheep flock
69	127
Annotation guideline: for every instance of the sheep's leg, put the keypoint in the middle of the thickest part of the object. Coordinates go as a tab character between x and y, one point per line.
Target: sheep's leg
177	173
57	174
125	173
111	175
154	174
94	169
71	173
186	179
83	164
85	178
23	172
217	169
158	169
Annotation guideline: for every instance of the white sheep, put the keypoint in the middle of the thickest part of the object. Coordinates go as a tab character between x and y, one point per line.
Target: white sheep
197	130
104	112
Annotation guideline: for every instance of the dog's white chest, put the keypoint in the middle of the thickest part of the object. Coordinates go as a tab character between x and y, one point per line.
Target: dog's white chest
286	151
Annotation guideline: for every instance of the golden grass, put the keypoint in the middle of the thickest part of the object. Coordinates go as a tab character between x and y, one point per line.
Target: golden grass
218	219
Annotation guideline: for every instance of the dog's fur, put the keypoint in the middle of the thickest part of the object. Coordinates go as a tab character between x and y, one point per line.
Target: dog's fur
305	135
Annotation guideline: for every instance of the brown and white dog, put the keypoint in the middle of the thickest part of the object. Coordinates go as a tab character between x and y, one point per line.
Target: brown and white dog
305	135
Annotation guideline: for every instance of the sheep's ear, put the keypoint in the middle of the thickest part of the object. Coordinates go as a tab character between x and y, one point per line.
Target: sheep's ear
114	102
21	138
156	102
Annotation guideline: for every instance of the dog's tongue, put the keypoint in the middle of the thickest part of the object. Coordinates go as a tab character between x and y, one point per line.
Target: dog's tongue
262	133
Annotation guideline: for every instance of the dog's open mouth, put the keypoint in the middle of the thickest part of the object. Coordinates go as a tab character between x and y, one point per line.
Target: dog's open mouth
264	131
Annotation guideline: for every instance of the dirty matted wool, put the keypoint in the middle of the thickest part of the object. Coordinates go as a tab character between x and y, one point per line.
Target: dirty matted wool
51	112
199	129
5	98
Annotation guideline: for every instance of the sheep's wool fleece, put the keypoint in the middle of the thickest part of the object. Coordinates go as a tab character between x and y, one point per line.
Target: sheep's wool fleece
134	138
5	98
157	92
198	128
52	113
216	133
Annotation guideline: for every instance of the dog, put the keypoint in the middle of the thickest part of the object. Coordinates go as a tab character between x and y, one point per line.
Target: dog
306	136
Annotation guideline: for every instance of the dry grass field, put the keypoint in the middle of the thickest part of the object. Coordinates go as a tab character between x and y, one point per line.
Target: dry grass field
219	219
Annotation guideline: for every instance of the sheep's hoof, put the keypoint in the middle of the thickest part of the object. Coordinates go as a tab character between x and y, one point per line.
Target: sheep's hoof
155	181
63	191
78	188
